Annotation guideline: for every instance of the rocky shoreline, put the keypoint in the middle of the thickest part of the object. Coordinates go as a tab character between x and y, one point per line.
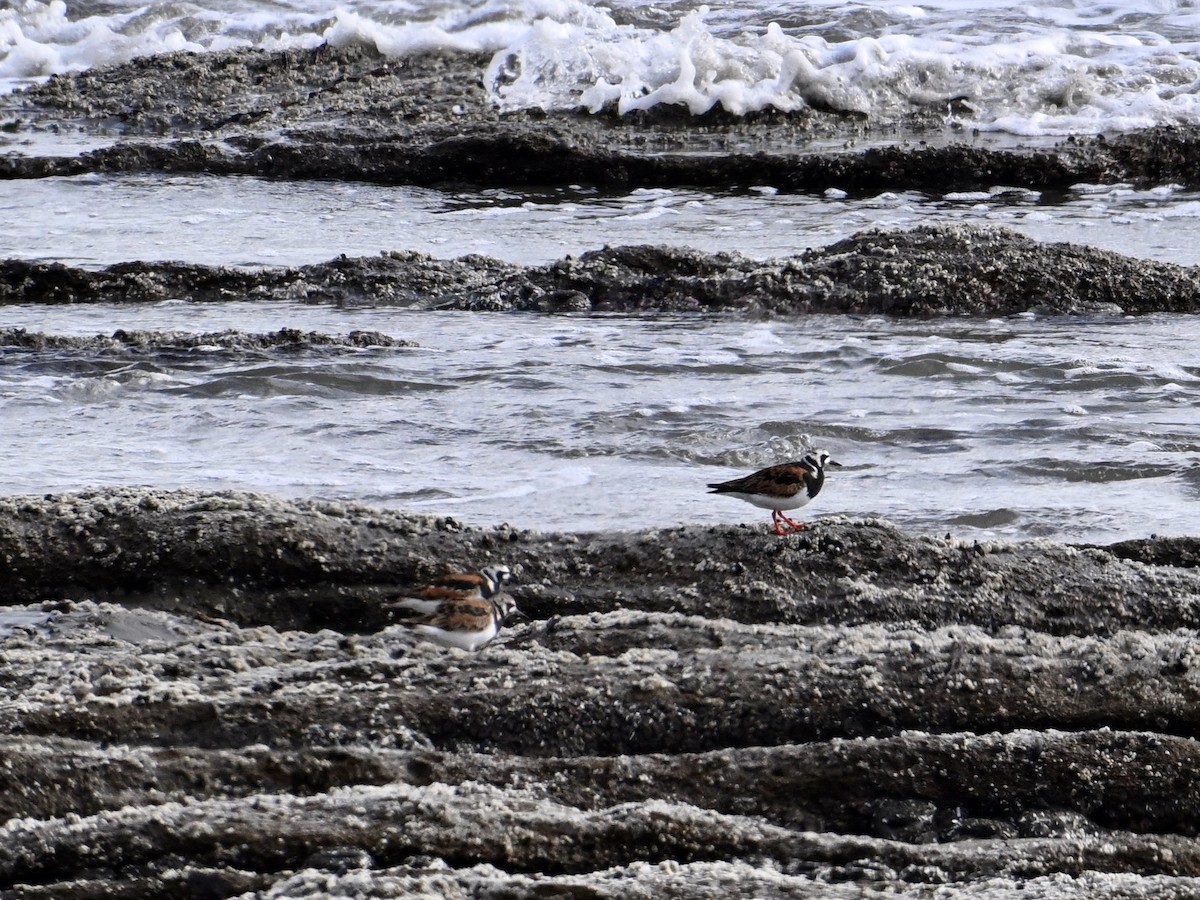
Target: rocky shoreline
205	695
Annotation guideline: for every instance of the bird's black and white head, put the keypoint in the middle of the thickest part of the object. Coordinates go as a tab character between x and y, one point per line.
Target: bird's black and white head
817	460
494	578
505	609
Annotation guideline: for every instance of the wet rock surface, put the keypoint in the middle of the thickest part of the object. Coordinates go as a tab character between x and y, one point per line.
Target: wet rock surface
205	695
928	271
349	113
125	341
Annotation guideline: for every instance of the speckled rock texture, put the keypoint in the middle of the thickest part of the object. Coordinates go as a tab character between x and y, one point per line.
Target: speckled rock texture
349	113
205	695
940	270
124	341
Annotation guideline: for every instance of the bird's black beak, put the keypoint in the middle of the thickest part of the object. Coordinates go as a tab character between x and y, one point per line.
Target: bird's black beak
834	463
515	616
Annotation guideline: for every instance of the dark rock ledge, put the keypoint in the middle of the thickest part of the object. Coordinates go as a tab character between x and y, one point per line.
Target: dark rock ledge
203	696
928	271
349	113
230	341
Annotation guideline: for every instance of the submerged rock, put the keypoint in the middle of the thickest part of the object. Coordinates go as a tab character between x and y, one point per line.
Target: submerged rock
229	340
204	695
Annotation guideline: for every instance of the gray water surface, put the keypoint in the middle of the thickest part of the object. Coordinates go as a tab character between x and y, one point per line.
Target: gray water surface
1075	429
99	220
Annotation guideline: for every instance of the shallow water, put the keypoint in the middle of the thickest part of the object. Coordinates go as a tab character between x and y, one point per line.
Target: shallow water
98	220
1080	430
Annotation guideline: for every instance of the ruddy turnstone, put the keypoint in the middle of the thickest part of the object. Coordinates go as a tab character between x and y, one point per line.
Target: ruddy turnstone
788	485
469	621
461	609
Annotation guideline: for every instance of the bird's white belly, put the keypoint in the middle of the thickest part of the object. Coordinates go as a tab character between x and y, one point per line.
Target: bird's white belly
463	640
799	499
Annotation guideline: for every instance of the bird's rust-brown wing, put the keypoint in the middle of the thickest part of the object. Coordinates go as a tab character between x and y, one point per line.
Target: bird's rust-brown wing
469	614
782	480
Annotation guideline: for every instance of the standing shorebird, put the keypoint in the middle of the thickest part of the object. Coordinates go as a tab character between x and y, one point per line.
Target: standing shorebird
788	485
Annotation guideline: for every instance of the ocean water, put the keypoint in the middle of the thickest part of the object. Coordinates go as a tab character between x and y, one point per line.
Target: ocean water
1018	428
95	220
1074	429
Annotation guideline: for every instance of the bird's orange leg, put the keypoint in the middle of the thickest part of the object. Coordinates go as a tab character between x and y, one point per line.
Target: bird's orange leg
796	526
792	526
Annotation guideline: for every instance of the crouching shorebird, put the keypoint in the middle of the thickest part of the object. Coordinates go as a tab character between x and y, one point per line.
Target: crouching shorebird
462	609
788	485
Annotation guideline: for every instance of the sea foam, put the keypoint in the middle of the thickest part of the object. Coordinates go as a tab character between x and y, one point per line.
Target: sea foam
1047	80
39	39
